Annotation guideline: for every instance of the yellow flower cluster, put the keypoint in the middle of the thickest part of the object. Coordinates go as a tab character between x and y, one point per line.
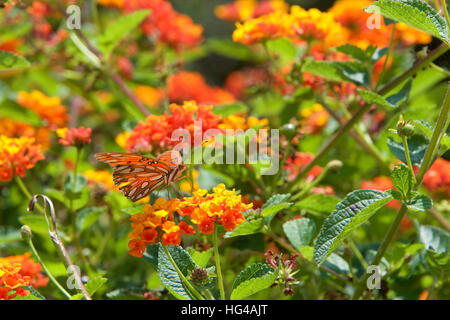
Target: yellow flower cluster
243	122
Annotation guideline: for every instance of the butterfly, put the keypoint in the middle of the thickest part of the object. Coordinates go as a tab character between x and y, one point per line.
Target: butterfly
139	176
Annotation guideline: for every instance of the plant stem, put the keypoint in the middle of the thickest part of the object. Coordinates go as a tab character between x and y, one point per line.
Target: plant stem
388	53
408	158
49	274
218	269
447	17
381	250
26	192
439	131
181	275
358	254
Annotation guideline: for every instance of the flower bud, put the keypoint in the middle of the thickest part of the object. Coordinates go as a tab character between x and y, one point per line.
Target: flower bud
25	232
408	130
199	274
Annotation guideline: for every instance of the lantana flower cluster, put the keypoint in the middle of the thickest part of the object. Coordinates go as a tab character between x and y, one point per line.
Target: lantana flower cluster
165	24
155	133
157	222
15	129
74	136
17	272
49	109
17	155
186	86
242	10
437	178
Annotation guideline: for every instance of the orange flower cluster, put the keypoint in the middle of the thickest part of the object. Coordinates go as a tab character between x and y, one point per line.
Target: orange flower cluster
17	155
156	132
76	137
221	206
298	25
437	178
243	122
16	129
295	164
112	3
17	272
155	224
148	95
242	10
48	108
381	183
351	14
185	86
314	120
167	25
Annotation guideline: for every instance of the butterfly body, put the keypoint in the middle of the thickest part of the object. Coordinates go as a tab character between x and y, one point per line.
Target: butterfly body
138	176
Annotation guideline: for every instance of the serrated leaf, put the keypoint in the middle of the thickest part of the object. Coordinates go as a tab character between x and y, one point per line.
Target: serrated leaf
88	216
338	71
434	238
415	13
34	293
275	204
246	228
356	208
374	98
118	29
417	145
168	274
317	203
300	232
403	179
252	279
10	60
420	203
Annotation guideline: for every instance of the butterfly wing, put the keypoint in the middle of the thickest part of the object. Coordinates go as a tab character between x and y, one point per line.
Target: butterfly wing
136	176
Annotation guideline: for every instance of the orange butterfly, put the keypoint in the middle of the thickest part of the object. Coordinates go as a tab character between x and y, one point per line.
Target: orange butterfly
138	176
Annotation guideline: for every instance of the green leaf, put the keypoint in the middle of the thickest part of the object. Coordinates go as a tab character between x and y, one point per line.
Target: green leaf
118	29
336	263
246	228
356	208
230	108
230	49
403	180
94	284
420	203
252	279
9	234
34	293
38	224
415	13
88	216
426	129
78	296
434	238
133	210
168	274
317	203
338	71
200	258
9	60
417	146
72	188
275	204
401	96
284	50
374	98
300	232
353	52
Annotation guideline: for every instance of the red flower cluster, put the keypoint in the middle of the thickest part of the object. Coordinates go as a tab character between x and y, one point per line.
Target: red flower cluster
238	82
76	137
295	164
242	10
165	24
156	132
437	178
17	272
186	86
17	155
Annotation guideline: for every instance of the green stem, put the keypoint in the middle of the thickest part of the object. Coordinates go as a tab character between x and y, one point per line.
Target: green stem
26	192
218	269
438	133
311	185
181	275
391	42
49	274
357	254
381	250
447	17
408	158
